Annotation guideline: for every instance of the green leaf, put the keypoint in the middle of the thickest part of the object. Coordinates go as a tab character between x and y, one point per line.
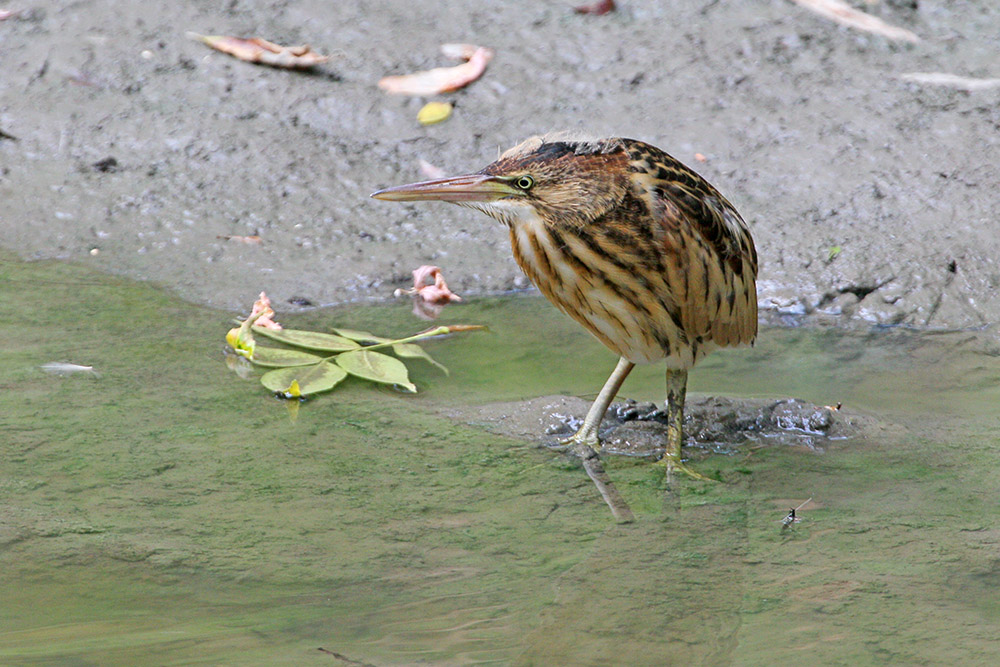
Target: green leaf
376	367
311	340
833	252
361	336
323	376
276	357
412	351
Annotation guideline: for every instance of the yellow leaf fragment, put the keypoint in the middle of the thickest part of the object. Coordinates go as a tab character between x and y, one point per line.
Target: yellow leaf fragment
257	50
434	112
293	389
440	79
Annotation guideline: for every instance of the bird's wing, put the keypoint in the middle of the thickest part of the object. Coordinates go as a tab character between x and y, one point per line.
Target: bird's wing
709	258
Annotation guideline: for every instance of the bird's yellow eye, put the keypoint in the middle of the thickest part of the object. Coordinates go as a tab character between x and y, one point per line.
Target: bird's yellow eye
524	182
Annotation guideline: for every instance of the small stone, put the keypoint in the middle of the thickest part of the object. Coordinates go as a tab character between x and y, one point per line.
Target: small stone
107	165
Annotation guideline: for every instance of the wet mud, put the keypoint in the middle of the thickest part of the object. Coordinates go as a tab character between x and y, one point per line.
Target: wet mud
125	145
712	424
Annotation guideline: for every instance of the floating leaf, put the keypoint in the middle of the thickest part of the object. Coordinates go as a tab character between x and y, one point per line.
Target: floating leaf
362	337
412	351
312	380
241	339
376	367
434	112
276	357
311	340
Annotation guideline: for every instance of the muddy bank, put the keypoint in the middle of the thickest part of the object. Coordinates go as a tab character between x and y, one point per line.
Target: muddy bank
136	150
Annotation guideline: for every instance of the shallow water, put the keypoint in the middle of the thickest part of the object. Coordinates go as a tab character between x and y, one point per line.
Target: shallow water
167	512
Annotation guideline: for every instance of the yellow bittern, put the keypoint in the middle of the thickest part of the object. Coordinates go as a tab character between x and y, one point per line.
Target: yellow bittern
630	243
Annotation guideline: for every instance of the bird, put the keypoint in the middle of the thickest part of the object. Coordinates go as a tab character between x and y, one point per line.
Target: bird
639	249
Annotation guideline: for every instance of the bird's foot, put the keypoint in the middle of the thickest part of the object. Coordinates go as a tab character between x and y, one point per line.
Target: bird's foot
583	444
673	464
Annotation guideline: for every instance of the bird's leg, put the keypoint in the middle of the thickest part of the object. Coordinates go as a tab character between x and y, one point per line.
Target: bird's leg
587	435
676	392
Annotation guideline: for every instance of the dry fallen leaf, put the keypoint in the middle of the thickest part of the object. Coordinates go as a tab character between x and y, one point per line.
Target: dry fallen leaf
257	50
430	171
841	12
950	80
458	51
250	240
598	8
440	79
430	292
434	112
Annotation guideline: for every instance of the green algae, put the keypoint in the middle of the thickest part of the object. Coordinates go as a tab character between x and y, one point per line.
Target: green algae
168	512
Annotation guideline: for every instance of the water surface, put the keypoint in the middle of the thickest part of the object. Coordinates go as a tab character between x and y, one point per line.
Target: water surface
168	512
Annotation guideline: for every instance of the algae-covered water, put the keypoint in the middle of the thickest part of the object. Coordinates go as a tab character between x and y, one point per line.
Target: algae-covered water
168	512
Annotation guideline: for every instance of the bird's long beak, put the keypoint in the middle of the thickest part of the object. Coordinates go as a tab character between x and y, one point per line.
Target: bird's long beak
471	187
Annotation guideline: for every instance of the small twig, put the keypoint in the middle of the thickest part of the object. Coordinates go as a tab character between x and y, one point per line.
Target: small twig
430	333
844	14
965	83
344	658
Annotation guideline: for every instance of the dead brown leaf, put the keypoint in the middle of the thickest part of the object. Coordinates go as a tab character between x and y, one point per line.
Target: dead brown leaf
257	50
597	8
262	314
455	51
250	240
440	79
430	292
843	13
431	171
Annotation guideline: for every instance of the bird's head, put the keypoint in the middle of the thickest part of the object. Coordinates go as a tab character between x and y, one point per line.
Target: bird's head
571	181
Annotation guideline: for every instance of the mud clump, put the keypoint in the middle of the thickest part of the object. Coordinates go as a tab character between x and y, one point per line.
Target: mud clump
712	424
